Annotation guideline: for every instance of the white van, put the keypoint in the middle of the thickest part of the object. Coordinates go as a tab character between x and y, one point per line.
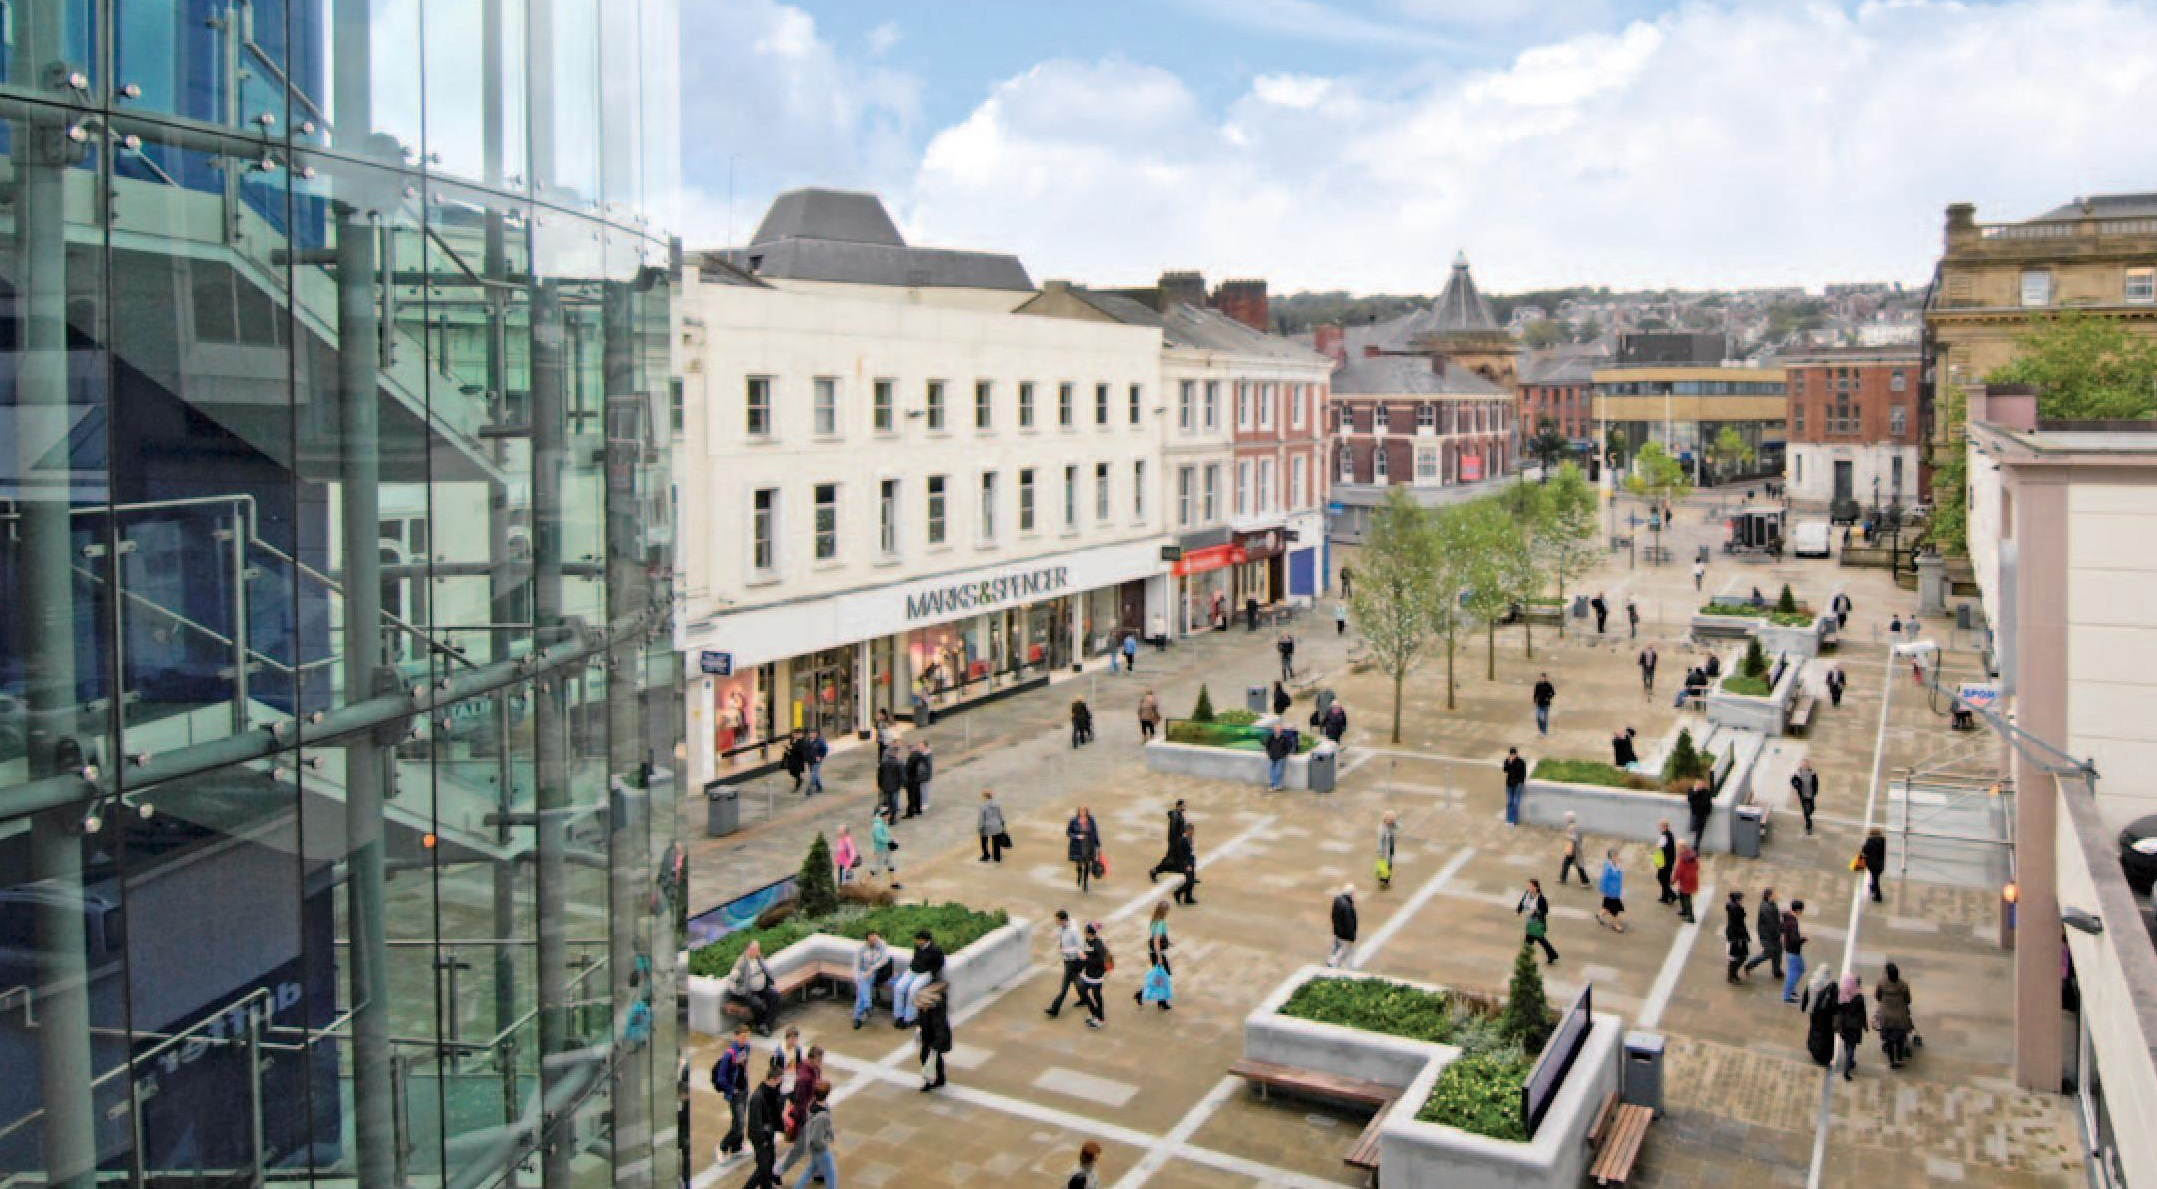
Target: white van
1810	540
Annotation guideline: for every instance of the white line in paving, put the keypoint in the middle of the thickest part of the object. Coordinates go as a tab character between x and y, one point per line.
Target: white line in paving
1415	905
1681	947
1074	1084
1432	755
1159	1155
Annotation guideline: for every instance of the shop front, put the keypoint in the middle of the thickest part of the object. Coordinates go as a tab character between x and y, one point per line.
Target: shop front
1205	586
1263	573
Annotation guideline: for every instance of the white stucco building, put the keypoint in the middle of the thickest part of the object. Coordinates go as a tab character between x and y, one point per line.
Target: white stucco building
890	481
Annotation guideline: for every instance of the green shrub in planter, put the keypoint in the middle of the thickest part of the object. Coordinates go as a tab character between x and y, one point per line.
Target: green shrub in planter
1592	772
1751	687
1526	1021
1203	712
816	886
1236	718
1787	604
1755	661
1480	1093
954	926
1376	1005
1685	760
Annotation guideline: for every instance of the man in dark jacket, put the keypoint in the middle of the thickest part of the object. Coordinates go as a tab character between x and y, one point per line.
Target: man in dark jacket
1666	850
1701	800
1250	613
1344	927
1806	784
920	770
1175	837
1793	950
1602	611
926	967
795	759
1281	743
1768	930
1874	852
1184	856
1516	775
730	1077
1545	694
767	1109
1735	935
1336	722
890	777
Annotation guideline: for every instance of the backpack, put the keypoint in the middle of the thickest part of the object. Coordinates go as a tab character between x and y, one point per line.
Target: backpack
725	1072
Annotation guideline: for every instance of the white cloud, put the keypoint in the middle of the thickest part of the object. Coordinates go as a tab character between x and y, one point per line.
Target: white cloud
769	93
1738	142
883	38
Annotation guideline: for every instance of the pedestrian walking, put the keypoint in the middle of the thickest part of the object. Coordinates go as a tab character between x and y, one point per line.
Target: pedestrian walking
1793	949
1873	854
1894	628
1623	752
1819	1006
1250	613
989	823
1850	1025
881	848
1768	929
1700	802
1082	846
813	1149
1840	605
924	715
766	1115
1281	700
1186	859
816	751
1632	619
1344	927
1286	646
1175	838
872	965
1340	618
1602	611
1081	723
845	856
1093	974
1647	662
1574	859
886	734
890	778
1612	885
926	966
800	1087
1545	694
1071	948
1335	723
730	1077
1837	681
750	984
1388	829
1516	776
1893	997
1158	987
1130	652
1348	578
918	770
1700	573
934	1035
1281	743
795	759
1149	715
1806	784
1687	881
1736	935
1665	859
1536	930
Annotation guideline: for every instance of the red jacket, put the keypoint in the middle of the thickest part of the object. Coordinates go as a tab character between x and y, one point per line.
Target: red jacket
1686	875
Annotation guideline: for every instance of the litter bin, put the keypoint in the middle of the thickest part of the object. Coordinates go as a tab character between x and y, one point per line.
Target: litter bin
1963	621
1640	1083
1325	768
1580	606
722	810
1746	824
1258	699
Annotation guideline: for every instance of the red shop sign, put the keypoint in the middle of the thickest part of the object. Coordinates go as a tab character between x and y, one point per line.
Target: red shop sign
1214	557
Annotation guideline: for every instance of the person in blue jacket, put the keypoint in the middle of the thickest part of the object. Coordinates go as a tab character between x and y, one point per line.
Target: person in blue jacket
1612	886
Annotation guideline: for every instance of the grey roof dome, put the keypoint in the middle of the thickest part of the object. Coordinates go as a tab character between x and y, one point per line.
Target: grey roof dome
1460	308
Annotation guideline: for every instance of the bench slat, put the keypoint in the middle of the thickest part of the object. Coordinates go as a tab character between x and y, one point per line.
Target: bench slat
1309	1082
1621	1150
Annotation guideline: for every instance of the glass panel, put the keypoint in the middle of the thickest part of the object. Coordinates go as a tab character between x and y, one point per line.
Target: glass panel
374	74
475	95
566	150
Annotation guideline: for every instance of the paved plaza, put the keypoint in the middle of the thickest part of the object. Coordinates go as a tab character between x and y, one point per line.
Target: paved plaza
1745	1105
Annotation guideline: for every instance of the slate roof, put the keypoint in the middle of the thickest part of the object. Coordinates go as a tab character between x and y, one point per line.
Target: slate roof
1460	308
1408	375
1562	365
842	236
1197	328
2104	206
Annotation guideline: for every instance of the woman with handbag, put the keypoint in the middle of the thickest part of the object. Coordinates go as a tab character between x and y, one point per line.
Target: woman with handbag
990	823
1533	903
881	846
1896	1025
844	854
1082	846
1157	989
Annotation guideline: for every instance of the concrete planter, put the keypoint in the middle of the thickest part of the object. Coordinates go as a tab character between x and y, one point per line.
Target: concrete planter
991	961
1798	643
1334	1049
1729	627
1223	763
1412	1152
1769	715
1632	814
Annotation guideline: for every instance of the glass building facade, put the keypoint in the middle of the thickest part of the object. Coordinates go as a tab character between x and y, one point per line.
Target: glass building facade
337	714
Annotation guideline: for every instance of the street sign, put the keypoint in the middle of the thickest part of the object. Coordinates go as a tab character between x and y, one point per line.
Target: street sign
716	664
1171	553
1979	693
1336	508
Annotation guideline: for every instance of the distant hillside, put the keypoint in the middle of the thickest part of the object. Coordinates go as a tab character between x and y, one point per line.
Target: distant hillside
1295	313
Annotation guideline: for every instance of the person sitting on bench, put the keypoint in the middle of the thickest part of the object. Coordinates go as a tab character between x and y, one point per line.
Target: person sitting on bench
1963	720
1696	683
1714	667
751	984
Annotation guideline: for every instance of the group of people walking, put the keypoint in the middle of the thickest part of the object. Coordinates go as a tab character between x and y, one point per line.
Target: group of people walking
791	1100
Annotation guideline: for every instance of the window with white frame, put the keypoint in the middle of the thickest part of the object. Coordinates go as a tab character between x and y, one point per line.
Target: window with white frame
1381	419
984	404
1135	398
935	517
824	406
880	406
1138	490
1066	405
2140	285
936	404
1213	404
1895	381
2036	286
988	507
1026	500
1378	464
764	529
1186	405
827	521
1426	464
1071	482
1299	396
1100	404
1243	489
1026	404
1264	502
1186	492
1266	395
1212	504
758	399
1427	417
1347	463
1243	405
1100	491
887	517
1298	482
1898	420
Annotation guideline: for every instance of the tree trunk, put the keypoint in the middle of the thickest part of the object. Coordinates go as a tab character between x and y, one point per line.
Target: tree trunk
1449	683
1527	626
1398	677
1561	606
1490	650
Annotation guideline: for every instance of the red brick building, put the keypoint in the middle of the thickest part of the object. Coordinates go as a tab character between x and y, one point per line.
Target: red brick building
1559	387
1854	429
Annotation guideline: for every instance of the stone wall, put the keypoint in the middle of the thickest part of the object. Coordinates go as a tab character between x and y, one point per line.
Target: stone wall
973	972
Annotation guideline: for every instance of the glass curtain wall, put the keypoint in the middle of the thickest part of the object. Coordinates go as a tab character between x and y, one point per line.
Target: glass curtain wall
337	716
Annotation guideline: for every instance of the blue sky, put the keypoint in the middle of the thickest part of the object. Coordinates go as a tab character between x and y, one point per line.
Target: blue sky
1325	143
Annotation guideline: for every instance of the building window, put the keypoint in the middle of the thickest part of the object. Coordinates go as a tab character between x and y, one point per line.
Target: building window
1427	417
763	530
1894	482
880	403
1347	463
887	517
1066	413
1186	491
1137	397
1138	490
1298	481
1071	499
1299	395
1426	464
2036	287
1797	467
1243	489
1213	492
1243	406
1213	404
1100	404
826	407
984	404
1381	419
1026	404
2141	285
936	510
1898	420
1266	394
1026	500
677	408
827	521
1265	487
1186	404
936	405
988	507
759	397
1895	381
1379	472
1100	491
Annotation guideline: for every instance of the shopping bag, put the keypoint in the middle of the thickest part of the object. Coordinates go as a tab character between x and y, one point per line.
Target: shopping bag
1385	870
1537	929
1100	867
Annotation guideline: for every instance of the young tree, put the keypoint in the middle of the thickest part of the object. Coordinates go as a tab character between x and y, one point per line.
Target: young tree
1203	712
1485	533
1395	589
1730	448
816	887
1524	554
1451	547
1547	445
1526	1019
1569	537
1660	478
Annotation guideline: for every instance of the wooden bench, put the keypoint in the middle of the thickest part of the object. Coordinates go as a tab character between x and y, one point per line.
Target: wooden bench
1801	714
796	981
1363	1157
1374	1096
1617	1135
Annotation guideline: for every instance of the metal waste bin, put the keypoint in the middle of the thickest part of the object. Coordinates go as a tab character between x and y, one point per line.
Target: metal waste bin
1325	767
1258	699
1580	606
1746	825
1963	621
1640	1081
722	810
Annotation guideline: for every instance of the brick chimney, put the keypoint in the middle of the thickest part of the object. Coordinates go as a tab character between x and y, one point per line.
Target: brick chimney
1326	340
1245	301
1186	287
1961	222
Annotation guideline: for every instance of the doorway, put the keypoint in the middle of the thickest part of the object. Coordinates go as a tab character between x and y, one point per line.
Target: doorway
1844	480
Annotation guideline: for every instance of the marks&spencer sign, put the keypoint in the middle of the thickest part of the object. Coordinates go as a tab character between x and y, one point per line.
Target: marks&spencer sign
986	593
